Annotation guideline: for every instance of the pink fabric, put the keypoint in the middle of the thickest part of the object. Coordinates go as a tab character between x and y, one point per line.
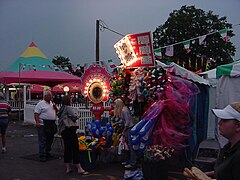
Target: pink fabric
40	77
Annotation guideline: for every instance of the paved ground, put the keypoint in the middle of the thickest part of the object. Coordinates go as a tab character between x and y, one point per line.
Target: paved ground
22	142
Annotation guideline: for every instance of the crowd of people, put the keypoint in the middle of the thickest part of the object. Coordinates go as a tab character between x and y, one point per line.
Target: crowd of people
46	113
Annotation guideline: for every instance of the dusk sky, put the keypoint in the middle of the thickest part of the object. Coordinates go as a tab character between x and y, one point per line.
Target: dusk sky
67	27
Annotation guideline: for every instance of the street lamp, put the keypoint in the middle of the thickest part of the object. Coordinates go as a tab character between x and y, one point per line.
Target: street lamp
66	90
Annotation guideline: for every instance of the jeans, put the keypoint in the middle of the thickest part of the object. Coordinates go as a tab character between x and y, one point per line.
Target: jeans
132	156
46	136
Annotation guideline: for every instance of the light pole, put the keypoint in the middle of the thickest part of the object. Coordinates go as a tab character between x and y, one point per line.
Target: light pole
97	41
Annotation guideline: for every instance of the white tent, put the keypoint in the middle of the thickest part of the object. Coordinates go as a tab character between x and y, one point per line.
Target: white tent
228	87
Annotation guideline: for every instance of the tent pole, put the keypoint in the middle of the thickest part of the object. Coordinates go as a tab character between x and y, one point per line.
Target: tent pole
19	101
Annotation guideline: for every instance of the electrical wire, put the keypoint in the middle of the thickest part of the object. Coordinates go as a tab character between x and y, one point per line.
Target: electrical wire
104	26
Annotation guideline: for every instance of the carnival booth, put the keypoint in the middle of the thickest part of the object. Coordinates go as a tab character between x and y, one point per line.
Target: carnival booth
163	101
98	132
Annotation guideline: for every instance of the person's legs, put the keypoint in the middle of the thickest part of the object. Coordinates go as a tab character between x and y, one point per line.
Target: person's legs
41	143
50	130
67	150
132	153
3	128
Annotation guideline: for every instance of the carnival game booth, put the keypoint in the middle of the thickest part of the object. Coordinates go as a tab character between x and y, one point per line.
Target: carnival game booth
169	101
98	131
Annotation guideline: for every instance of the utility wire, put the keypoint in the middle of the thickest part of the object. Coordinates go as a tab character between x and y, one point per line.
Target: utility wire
104	26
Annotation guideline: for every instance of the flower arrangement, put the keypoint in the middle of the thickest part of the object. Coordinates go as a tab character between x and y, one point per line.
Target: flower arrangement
156	153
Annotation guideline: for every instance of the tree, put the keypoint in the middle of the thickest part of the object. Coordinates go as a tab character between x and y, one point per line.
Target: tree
187	24
66	65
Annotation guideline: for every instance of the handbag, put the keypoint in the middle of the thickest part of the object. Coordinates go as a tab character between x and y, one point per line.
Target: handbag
69	122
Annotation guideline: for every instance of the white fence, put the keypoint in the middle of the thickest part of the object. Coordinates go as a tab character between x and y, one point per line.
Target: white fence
16	105
84	113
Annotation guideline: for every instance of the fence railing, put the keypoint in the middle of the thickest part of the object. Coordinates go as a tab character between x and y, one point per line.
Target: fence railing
84	113
16	105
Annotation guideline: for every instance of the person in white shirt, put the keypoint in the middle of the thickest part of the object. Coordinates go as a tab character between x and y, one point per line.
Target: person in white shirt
45	117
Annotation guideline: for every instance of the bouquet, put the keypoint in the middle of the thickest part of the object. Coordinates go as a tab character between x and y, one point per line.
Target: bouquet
158	153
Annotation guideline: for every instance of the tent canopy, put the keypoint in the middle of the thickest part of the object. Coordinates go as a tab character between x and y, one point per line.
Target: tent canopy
182	72
34	67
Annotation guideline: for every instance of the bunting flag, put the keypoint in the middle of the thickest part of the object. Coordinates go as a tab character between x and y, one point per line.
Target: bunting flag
202	39
169	50
104	64
74	68
21	66
34	67
187	45
78	67
189	63
158	53
223	33
111	64
50	66
85	66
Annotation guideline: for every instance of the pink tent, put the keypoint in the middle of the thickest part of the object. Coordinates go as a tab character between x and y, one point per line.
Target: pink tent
34	67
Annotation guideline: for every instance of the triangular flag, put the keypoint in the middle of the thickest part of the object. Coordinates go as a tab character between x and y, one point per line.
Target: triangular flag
202	39
111	64
104	64
223	33
158	53
187	45
169	51
85	66
34	67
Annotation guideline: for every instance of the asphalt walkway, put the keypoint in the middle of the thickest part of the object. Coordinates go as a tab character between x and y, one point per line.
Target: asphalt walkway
21	163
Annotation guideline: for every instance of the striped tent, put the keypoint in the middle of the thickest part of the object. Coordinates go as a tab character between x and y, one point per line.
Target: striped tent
34	67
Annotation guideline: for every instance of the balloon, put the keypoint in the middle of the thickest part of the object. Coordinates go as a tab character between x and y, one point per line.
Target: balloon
102	129
97	123
94	130
108	124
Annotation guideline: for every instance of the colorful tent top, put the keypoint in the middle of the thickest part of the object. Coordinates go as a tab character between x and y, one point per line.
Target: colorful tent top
34	67
232	69
182	72
73	87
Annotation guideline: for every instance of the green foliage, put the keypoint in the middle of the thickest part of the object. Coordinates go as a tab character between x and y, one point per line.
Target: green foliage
66	65
188	23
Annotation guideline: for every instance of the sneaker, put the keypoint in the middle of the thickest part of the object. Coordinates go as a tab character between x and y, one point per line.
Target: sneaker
129	166
4	150
124	163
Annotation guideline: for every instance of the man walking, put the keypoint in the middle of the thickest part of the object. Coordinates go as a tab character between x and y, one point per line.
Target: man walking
45	116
